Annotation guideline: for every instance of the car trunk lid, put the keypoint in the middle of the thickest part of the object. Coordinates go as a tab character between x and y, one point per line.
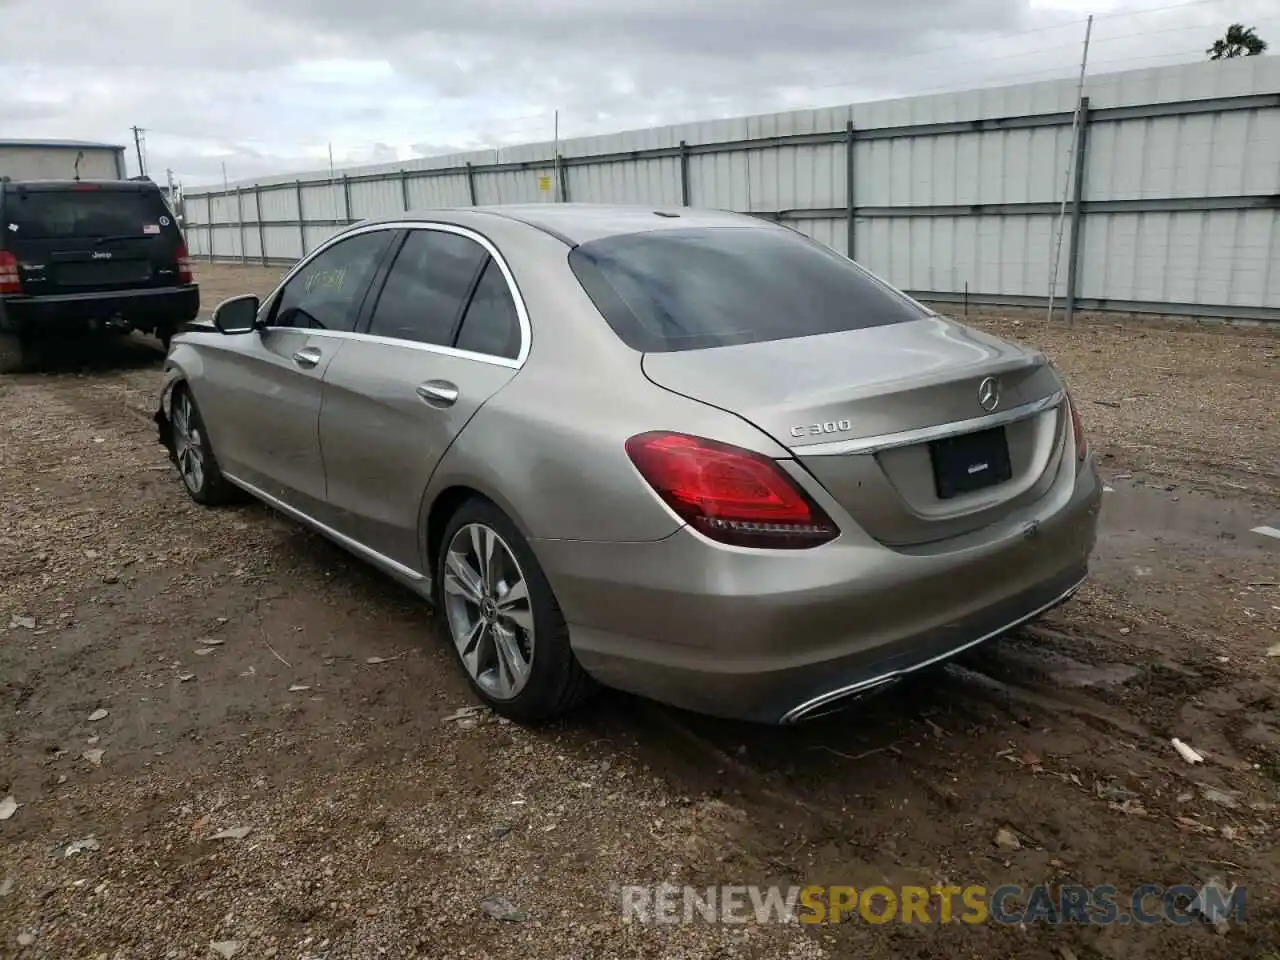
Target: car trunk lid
889	420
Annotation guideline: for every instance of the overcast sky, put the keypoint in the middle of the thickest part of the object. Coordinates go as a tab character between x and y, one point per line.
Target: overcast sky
265	86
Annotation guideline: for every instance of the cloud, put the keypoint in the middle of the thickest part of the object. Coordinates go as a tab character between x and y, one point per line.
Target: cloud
270	86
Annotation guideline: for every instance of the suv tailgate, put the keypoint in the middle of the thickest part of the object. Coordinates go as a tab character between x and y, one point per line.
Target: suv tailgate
71	238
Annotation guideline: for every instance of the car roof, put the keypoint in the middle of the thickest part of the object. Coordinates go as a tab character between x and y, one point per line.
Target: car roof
576	223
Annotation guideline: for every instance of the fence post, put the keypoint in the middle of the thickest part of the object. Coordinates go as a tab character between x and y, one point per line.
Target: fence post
302	220
1077	212
244	254
471	183
849	211
564	179
404	189
262	231
684	173
209	201
346	199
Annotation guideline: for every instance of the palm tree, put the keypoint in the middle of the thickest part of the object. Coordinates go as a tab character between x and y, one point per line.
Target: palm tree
1239	41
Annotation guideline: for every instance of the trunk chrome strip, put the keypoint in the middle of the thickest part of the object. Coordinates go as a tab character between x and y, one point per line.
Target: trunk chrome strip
809	706
906	438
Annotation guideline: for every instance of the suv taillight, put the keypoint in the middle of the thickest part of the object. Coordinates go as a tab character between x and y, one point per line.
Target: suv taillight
184	265
1077	429
9	282
729	494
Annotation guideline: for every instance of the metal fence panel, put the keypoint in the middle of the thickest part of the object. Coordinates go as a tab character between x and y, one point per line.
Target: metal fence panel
426	193
375	198
279	203
1176	207
322	202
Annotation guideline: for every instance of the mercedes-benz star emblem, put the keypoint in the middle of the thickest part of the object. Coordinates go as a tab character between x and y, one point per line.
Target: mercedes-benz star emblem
989	394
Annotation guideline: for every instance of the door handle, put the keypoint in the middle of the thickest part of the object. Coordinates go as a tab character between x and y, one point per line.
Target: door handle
438	393
307	357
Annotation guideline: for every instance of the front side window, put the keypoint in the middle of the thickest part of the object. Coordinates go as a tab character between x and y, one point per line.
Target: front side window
688	289
326	294
427	287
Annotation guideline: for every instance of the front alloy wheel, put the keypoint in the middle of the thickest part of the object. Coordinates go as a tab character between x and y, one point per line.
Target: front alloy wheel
486	601
190	451
188	444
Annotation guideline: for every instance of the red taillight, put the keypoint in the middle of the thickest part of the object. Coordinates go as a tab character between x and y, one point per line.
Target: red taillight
184	265
1077	430
9	282
729	494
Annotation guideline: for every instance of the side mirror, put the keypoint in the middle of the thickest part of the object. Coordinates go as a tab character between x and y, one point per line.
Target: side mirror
237	315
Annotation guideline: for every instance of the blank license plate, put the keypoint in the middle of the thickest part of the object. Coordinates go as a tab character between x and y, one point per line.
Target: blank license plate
970	462
104	272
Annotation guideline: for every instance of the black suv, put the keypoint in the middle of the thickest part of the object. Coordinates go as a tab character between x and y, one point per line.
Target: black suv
79	257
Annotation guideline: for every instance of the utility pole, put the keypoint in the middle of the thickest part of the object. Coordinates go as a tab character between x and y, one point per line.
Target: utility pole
556	188
137	146
1074	158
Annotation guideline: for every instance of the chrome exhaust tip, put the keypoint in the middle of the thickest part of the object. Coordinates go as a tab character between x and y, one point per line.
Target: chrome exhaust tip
837	700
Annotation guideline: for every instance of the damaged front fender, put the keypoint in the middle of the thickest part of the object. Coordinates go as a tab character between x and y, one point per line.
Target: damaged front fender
164	407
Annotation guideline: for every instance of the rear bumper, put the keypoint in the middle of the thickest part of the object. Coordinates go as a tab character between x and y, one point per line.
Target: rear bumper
776	636
71	314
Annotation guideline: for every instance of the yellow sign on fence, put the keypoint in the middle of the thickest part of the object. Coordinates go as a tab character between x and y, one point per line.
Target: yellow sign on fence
544	184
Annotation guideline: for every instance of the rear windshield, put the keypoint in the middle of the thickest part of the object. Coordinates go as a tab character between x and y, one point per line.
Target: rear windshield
83	213
670	290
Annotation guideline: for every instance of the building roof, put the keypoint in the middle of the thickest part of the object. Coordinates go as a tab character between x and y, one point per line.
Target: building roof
61	144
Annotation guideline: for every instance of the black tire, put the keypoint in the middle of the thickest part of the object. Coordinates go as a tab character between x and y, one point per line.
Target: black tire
15	353
164	334
212	489
556	683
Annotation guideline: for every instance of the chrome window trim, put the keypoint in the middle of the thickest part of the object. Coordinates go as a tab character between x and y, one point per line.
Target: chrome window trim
410	345
906	438
522	312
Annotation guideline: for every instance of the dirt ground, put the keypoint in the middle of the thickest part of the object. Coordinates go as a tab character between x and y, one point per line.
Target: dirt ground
231	653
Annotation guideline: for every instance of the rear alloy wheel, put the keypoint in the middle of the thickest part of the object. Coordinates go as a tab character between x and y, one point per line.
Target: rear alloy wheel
192	454
503	620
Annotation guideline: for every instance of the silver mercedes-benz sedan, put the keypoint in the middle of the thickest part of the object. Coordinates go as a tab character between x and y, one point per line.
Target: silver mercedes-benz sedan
689	454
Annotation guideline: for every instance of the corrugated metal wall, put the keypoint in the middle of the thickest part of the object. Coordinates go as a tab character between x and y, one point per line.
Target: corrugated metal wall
1179	205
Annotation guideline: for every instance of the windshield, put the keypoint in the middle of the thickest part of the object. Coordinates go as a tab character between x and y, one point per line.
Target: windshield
670	290
86	213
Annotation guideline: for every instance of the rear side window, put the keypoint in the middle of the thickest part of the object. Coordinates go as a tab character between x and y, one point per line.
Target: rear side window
86	213
670	290
491	325
427	287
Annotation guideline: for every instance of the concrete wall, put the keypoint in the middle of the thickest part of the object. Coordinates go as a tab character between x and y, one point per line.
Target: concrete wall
1178	204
